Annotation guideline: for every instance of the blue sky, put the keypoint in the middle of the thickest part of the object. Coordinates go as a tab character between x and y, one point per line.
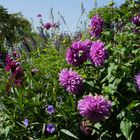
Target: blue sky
70	9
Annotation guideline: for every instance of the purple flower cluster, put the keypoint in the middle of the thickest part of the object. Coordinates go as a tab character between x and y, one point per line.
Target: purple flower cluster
136	20
80	51
76	54
10	63
26	122
96	26
71	81
16	70
98	53
137	80
50	109
50	128
95	108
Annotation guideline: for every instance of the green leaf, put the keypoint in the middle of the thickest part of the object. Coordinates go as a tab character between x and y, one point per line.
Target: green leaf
126	128
69	133
121	115
7	130
43	128
90	83
133	104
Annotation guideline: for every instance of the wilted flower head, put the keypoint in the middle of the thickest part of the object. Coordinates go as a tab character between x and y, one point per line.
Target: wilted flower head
47	25
85	127
76	54
136	20
71	81
137	80
95	108
50	109
98	53
50	128
96	26
18	72
26	122
34	71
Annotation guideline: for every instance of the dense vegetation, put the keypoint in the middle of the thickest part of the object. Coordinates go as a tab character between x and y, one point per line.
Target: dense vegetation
58	86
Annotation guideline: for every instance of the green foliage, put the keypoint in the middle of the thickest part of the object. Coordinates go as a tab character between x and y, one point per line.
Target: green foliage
40	86
11	26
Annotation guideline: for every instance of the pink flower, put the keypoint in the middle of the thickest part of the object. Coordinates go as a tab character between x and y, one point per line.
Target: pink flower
95	108
76	54
96	26
71	81
98	53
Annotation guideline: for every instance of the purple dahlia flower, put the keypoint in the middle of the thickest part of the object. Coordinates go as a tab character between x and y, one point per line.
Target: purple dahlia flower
50	128
96	26
136	20
98	53
50	109
76	54
71	81
137	80
95	108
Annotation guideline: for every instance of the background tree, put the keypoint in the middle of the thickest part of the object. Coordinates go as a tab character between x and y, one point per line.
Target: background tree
13	26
